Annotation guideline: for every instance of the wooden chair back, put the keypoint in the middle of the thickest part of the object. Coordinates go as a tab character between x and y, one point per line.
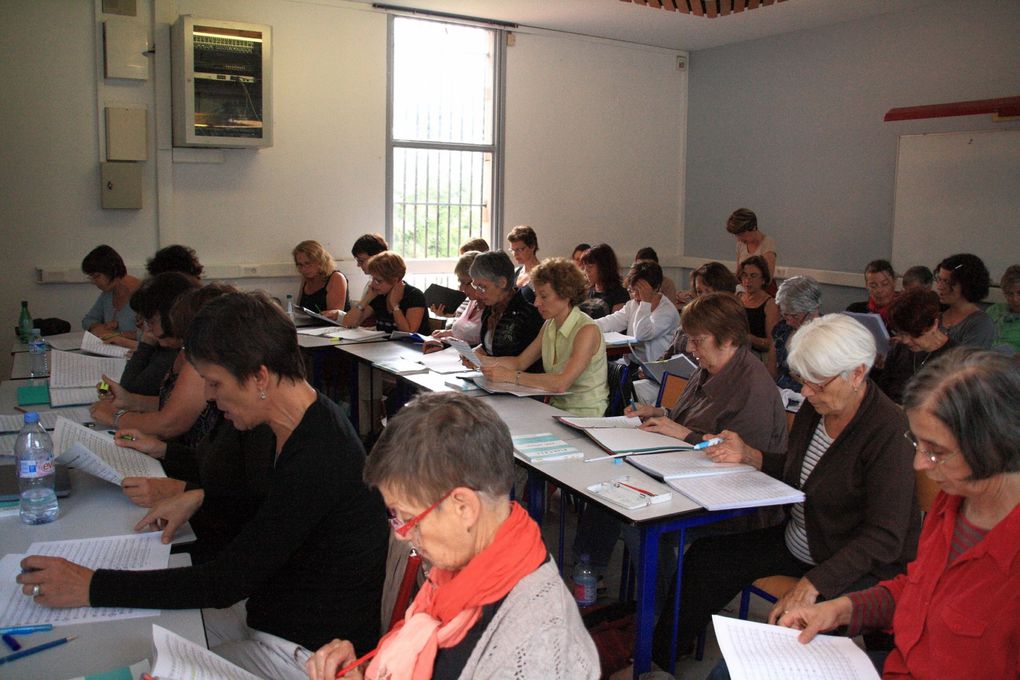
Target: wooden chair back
672	387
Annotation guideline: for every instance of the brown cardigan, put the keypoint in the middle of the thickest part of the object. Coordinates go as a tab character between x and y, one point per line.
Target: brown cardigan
861	514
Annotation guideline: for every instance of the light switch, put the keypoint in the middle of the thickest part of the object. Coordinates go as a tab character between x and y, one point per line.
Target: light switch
125	44
126	136
121	186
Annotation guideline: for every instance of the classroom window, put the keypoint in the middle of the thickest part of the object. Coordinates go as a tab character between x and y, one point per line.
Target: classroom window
443	136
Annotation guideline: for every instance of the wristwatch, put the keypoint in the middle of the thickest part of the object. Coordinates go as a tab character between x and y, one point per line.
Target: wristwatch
117	415
358	306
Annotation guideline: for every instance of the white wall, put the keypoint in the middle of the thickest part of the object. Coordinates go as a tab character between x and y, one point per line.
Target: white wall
791	126
324	176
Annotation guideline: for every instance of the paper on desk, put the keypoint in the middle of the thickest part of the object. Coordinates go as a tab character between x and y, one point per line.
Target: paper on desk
493	387
758	651
71	396
48	419
629	422
177	657
97	454
614	339
7	443
445	361
134	552
465	350
746	490
68	369
93	345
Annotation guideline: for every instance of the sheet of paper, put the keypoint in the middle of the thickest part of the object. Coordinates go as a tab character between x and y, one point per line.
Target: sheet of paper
316	330
445	361
7	444
614	339
97	454
758	651
93	345
511	388
614	421
68	369
72	396
65	342
356	334
401	366
324	319
465	350
48	419
176	657
132	552
748	490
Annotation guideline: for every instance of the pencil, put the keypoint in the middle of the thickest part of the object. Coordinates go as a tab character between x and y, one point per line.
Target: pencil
38	648
344	671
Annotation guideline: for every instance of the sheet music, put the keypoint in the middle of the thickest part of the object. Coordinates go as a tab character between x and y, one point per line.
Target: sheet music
71	396
619	440
7	444
93	345
612	421
758	651
78	370
679	464
48	419
748	490
65	342
97	454
177	657
134	552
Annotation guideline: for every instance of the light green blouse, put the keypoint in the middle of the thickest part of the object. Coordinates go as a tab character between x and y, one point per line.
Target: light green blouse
589	395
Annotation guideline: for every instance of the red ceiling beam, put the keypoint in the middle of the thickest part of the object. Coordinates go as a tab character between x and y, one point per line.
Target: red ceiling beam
1004	107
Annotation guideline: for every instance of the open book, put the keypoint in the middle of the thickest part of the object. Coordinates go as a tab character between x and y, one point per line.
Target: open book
621	437
97	454
509	388
679	365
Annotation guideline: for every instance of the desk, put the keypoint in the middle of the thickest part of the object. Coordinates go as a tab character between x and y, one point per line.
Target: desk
94	508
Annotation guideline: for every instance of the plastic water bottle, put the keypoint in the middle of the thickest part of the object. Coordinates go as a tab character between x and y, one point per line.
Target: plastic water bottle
33	451
25	324
37	354
290	307
585	582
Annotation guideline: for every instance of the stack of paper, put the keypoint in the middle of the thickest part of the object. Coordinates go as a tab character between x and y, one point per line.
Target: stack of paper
544	447
614	339
620	436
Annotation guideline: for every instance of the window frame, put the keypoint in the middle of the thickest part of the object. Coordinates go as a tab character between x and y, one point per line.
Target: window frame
496	148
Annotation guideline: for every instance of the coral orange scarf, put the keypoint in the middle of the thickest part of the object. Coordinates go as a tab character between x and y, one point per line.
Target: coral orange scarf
450	602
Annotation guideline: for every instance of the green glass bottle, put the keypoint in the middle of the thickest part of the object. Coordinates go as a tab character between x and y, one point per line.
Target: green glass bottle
25	324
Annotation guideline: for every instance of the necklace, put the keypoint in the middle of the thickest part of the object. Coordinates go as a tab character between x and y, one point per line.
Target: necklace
923	361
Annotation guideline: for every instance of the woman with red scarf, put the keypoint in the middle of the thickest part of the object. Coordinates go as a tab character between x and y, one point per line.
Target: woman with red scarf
880	279
494	604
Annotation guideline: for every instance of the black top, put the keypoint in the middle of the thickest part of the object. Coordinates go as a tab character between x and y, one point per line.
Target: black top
527	290
317	301
901	365
413	297
233	468
519	325
756	319
312	560
612	297
146	369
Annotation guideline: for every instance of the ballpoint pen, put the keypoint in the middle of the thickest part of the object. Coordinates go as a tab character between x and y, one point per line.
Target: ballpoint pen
38	648
25	630
714	441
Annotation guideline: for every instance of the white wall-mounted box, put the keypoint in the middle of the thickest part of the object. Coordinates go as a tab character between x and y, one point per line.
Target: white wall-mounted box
222	83
125	50
126	134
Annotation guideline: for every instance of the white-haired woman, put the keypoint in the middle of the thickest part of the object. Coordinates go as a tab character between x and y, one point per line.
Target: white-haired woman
860	521
800	300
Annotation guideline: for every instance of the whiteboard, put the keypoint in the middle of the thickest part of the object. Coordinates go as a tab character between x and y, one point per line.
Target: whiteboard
958	193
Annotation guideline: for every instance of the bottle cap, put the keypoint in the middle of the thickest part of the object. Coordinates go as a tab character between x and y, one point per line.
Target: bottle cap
31	417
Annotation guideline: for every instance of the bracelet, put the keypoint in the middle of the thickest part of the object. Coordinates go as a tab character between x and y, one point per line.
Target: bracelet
117	416
517	378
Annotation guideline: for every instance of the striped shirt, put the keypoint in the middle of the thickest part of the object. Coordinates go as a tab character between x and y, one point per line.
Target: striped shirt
796	530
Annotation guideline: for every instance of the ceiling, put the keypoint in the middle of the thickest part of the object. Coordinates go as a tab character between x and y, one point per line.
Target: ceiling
647	24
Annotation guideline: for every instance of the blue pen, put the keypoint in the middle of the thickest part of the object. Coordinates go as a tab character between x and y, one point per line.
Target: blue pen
25	630
38	648
11	642
705	444
633	404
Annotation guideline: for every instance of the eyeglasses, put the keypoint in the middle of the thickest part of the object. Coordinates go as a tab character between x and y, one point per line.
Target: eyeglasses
794	319
518	249
817	387
698	340
480	287
402	528
928	454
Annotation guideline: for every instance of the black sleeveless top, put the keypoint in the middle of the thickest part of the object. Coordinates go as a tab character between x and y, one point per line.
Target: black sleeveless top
756	319
317	301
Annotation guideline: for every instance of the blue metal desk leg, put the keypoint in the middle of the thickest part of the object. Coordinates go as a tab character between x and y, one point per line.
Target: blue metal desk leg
536	497
647	571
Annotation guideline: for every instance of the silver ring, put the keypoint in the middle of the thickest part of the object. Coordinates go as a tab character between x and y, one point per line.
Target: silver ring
36	590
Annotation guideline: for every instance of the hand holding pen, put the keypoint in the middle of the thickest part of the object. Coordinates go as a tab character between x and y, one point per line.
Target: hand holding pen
728	447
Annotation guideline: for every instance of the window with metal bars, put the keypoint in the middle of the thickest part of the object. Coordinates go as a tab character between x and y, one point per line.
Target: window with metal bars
444	163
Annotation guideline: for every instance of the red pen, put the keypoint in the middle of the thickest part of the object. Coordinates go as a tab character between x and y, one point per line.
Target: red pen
635	488
344	671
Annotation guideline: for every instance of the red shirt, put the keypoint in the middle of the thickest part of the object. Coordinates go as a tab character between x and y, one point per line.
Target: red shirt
962	621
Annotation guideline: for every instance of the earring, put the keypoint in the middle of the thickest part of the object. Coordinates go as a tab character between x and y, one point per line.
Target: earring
262	395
